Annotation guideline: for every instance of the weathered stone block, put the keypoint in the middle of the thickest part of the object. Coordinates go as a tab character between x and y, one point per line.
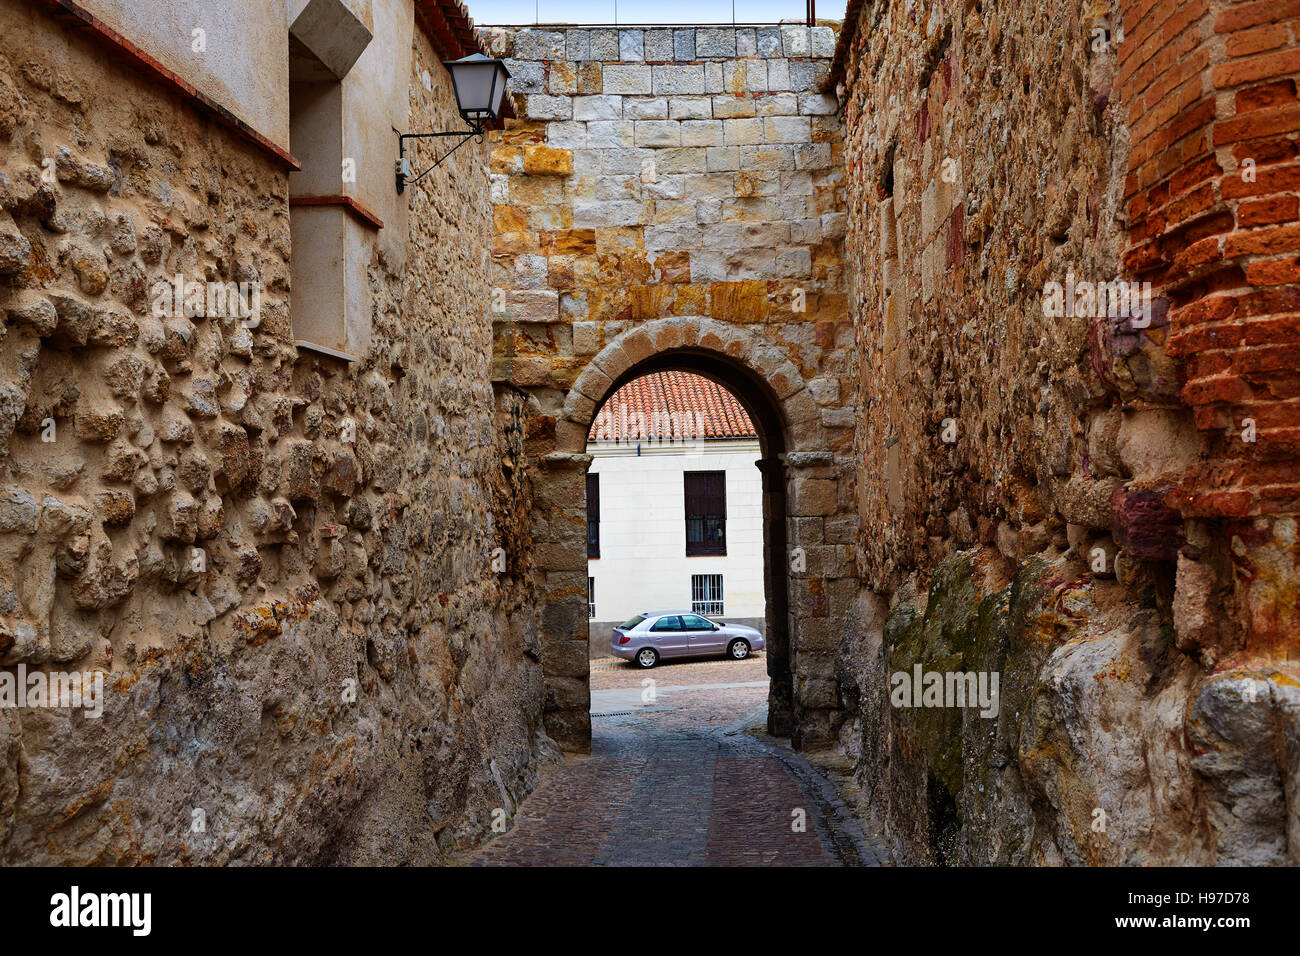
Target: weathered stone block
604	44
568	136
627	79
541	305
684	44
690	107
679	79
613	213
543	106
679	160
562	79
796	40
722	158
823	42
659	45
577	45
625	161
527	76
645	108
610	135
728	106
770	158
715	42
788	129
743	132
778	75
701	133
713	77
812	155
658	133
545	161
602	107
631	45
539	45
745	76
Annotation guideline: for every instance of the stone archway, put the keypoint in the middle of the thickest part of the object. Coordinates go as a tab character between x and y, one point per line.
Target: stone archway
800	491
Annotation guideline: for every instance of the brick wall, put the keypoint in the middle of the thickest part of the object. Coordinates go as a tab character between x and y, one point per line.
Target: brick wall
1214	222
1093	527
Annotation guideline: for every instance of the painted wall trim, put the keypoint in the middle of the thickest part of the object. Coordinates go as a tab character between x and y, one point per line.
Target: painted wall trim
354	206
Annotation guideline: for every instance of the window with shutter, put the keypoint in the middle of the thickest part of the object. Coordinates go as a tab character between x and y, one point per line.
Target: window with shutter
706	513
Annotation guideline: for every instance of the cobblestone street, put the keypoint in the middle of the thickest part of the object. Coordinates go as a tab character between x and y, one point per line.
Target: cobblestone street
682	777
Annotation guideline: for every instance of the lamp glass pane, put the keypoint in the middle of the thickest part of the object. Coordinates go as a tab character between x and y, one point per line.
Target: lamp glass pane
498	91
474	86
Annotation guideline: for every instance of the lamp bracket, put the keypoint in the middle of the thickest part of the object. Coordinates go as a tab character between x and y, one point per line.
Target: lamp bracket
475	130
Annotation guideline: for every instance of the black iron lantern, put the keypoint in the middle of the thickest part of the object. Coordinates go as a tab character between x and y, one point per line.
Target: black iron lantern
479	83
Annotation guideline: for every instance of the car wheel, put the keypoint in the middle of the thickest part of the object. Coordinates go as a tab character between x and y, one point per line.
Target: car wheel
738	650
647	658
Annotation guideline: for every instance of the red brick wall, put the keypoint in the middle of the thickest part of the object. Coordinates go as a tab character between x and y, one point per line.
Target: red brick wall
1211	84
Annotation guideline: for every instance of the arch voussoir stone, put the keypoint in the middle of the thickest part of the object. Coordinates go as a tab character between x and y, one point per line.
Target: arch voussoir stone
738	343
594	383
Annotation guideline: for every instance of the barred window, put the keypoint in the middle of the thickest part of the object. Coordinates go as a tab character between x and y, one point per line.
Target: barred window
706	594
591	597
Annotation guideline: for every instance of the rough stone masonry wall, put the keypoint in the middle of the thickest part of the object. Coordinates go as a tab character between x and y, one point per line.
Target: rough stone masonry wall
991	147
330	566
672	190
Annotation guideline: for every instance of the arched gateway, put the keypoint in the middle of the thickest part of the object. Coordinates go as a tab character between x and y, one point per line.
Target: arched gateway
697	174
801	495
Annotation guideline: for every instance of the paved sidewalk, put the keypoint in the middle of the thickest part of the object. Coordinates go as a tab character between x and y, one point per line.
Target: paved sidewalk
681	774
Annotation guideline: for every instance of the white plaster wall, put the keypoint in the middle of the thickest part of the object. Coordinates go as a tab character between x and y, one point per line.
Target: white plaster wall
245	67
376	99
643	564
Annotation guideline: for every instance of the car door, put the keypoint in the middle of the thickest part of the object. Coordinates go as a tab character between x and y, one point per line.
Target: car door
668	637
704	637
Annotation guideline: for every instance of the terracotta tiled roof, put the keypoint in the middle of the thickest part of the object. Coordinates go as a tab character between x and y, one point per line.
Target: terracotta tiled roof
662	404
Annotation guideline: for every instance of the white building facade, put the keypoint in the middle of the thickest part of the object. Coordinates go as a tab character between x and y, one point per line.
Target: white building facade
674	524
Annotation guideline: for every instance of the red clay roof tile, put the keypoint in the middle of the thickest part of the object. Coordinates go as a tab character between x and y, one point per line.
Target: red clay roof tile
662	405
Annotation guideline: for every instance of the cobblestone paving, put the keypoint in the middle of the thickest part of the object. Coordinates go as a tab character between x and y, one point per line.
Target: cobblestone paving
681	774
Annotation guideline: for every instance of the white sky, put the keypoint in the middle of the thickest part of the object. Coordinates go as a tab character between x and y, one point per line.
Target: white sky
490	12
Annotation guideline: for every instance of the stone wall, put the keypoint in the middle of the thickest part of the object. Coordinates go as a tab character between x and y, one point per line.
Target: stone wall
676	195
281	563
1019	468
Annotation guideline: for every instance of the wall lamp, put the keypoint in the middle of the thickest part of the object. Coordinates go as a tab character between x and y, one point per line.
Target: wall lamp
480	85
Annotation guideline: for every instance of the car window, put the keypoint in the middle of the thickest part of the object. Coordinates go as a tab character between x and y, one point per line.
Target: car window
631	622
694	623
667	624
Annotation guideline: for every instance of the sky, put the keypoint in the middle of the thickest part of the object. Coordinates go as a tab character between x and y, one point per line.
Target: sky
492	12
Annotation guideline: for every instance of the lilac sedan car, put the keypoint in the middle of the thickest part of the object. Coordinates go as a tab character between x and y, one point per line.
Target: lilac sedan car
655	634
